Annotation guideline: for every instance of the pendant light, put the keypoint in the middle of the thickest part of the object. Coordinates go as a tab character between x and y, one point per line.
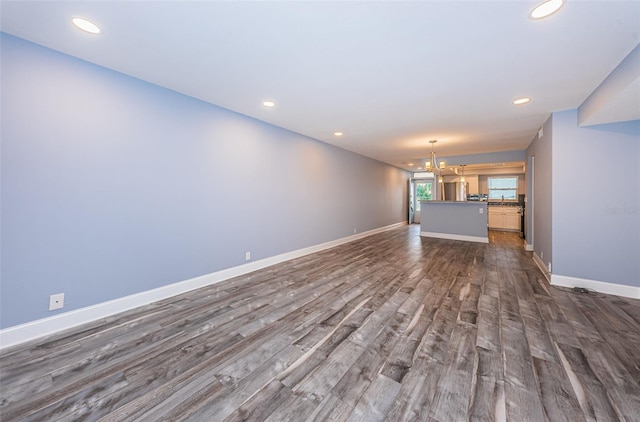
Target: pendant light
432	164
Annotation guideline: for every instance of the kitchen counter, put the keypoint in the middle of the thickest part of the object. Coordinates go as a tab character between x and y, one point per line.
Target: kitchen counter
504	204
464	220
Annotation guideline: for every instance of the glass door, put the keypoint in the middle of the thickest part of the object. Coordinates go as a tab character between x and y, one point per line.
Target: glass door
423	191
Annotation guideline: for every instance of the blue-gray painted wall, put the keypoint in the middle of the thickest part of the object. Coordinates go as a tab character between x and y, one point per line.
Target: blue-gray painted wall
596	200
113	186
624	75
539	216
586	199
457	218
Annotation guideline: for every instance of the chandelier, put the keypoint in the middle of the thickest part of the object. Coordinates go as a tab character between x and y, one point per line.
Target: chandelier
432	164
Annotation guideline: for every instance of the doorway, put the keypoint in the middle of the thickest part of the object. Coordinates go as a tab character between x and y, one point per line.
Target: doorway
423	191
530	206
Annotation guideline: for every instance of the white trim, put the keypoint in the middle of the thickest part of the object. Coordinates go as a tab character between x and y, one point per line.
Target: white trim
43	327
466	238
528	247
543	268
599	286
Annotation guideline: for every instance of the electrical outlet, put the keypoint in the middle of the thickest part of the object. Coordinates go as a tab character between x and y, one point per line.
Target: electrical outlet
355	231
549	265
247	256
541	255
481	210
56	301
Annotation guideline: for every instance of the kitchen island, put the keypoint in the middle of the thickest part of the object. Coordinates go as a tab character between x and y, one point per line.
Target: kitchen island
457	220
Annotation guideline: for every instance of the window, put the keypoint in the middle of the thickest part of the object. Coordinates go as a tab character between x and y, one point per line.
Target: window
423	175
503	188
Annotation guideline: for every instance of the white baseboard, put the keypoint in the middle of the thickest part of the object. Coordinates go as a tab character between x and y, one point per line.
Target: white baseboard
541	265
528	247
599	286
43	327
456	237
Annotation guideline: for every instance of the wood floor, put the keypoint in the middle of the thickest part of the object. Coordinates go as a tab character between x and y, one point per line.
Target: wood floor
392	327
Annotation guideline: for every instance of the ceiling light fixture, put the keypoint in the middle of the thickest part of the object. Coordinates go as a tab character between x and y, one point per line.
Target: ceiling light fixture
86	26
521	101
337	133
268	104
546	8
432	164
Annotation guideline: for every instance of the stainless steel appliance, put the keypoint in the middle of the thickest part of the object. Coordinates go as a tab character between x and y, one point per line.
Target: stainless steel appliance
521	210
456	191
477	197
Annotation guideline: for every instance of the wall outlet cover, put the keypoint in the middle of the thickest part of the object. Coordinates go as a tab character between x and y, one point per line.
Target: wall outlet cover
56	301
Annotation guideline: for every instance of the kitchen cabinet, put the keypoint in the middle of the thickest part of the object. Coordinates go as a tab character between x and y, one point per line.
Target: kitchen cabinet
473	184
495	219
512	221
504	218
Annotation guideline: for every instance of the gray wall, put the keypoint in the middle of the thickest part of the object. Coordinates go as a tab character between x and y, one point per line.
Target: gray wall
594	109
458	218
596	200
587	206
540	203
113	186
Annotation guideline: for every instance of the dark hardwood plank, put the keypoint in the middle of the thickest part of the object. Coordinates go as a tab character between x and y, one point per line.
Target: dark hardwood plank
488	400
376	401
558	397
452	398
331	409
389	327
590	392
540	344
410	398
266	400
359	376
521	394
617	329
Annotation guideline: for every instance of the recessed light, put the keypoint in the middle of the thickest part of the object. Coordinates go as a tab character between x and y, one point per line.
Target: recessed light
410	164
338	133
522	100
545	9
268	104
86	25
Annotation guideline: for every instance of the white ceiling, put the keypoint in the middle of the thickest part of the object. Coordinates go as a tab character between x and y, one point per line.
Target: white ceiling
390	75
